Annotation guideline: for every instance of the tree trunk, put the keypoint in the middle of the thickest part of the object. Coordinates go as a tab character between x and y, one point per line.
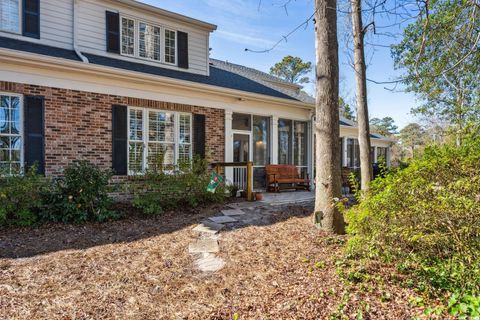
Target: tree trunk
327	127
366	169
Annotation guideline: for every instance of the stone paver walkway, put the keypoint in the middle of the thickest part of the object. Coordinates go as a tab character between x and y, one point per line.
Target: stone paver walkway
237	215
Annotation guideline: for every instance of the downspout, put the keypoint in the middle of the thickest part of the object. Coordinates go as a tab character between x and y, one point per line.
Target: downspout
75	32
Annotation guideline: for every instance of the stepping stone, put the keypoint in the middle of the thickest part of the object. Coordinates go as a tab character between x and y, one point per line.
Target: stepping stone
233	212
210	263
222	219
208	227
203	246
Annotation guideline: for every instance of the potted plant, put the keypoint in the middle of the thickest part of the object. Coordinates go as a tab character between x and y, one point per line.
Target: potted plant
233	190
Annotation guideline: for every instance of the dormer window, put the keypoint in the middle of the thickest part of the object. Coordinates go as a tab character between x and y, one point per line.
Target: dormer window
170	45
10	16
149	45
128	36
148	41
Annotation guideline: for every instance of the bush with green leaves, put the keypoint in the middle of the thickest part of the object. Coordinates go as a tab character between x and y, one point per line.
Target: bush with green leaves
159	191
80	195
426	219
20	197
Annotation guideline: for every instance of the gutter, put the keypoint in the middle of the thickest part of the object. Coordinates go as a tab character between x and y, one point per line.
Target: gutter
75	32
50	63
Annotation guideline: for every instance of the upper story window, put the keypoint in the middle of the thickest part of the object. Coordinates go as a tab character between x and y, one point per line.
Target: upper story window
128	36
149	45
170	45
10	15
148	41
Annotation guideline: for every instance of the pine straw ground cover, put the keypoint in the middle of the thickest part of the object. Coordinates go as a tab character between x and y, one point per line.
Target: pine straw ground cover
140	269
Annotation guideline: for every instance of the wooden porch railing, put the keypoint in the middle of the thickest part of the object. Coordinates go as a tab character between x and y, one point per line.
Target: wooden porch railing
248	165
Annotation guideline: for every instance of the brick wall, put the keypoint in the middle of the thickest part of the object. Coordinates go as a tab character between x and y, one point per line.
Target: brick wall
78	124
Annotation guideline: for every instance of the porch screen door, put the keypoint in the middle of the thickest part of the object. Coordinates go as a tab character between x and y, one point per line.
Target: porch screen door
241	153
241	147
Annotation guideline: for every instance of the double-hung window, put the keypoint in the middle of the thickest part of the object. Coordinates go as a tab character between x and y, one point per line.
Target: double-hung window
158	140
128	36
170	46
149	44
10	134
10	15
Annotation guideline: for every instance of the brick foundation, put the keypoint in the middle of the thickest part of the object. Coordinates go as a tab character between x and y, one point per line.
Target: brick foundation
78	124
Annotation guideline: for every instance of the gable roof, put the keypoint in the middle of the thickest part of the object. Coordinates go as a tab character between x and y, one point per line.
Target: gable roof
218	77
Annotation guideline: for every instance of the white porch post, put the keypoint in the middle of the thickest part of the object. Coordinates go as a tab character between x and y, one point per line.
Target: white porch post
375	154
345	152
228	144
274	147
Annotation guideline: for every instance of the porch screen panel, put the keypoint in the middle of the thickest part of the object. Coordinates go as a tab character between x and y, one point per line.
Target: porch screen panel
300	147
241	121
300	144
353	153
284	141
261	147
382	155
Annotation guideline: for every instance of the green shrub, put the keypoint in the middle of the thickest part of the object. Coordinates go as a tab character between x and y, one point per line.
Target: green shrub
80	195
426	219
20	197
159	191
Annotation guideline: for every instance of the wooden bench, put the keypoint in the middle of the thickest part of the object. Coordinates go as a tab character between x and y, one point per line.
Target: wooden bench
285	176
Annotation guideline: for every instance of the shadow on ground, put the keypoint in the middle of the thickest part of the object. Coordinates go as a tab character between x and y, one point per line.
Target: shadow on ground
28	242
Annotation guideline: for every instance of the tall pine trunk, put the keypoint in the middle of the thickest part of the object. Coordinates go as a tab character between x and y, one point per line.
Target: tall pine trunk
327	128
366	169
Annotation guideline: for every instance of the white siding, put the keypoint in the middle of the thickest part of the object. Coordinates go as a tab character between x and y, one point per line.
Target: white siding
92	33
56	24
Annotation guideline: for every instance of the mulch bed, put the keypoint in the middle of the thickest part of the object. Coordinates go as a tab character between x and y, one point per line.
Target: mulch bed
139	268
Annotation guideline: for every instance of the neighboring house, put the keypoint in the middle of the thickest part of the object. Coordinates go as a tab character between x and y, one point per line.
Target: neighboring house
124	84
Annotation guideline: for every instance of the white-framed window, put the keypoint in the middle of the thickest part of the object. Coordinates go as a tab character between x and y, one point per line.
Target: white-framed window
10	16
128	36
11	133
149	41
170	46
145	40
158	139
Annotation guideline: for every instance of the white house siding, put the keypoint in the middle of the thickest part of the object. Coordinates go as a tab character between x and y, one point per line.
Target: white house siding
92	33
56	24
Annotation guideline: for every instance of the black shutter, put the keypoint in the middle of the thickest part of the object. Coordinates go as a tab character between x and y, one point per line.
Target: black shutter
119	140
199	135
113	31
182	47
34	132
31	18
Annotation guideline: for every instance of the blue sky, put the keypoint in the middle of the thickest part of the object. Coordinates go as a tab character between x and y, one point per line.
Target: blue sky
246	24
